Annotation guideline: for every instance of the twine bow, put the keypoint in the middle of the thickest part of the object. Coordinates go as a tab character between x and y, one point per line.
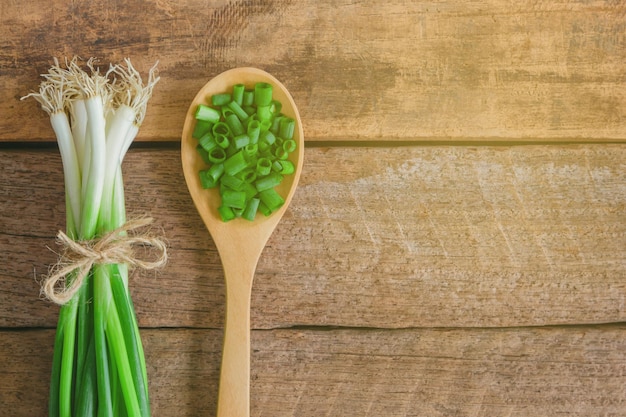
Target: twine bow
115	247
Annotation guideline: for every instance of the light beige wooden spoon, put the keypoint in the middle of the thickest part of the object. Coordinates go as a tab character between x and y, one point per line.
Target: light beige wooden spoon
239	242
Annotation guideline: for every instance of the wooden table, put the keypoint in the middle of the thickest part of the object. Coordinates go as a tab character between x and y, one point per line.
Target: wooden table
457	243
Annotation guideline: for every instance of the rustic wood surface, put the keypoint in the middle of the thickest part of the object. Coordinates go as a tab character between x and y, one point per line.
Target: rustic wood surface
522	70
457	246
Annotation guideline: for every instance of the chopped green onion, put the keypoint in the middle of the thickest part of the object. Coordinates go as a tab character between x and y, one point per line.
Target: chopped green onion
235	163
236	108
265	125
232	182
234	124
234	199
247	150
263	166
207	141
263	113
221	128
254	130
216	171
201	127
269	181
281	154
241	140
275	129
286	167
271	199
220	99
286	128
207	180
263	94
289	145
207	114
222	141
248	175
264	209
226	213
268	137
251	208
251	149
238	91
217	155
248	98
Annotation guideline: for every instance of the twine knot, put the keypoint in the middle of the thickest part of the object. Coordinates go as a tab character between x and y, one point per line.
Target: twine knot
115	247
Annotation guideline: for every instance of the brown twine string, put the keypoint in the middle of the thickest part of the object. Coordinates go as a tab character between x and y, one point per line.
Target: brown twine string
115	247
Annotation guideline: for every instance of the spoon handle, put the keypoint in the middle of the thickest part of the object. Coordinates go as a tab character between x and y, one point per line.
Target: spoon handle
234	389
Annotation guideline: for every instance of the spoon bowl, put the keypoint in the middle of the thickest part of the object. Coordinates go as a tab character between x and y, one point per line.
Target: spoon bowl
239	241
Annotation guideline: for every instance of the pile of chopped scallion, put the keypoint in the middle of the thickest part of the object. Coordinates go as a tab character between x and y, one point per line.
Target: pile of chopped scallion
98	362
245	141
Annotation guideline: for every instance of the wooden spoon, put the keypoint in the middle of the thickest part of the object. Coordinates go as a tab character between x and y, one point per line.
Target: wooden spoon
239	242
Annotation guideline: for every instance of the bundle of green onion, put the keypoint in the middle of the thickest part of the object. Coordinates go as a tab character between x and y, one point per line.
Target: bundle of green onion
98	363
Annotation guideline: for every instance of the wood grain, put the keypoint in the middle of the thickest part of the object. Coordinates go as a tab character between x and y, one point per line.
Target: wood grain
438	372
465	71
375	237
407	278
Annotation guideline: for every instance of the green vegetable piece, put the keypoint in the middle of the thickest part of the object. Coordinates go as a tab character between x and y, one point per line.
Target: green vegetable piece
248	176
249	213
262	94
221	128
263	166
220	99
232	182
222	141
234	199
207	141
207	180
208	114
226	213
281	154
238	91
251	151
235	163
264	209
275	129
289	145
267	137
286	127
217	155
269	181
265	125
249	189
248	98
271	199
254	130
263	113
216	171
236	108
286	167
201	128
233	122
241	140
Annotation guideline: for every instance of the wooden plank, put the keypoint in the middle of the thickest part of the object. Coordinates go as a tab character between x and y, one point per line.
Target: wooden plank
375	237
489	70
576	371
